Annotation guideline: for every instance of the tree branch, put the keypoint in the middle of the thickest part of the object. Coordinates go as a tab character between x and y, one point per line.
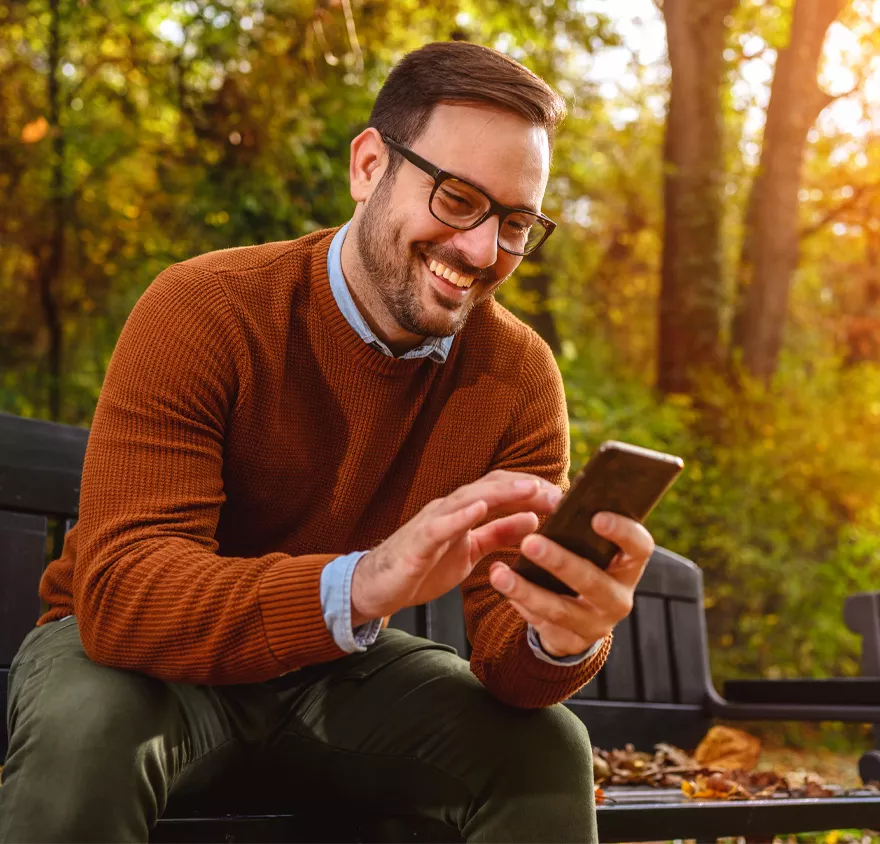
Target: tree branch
833	214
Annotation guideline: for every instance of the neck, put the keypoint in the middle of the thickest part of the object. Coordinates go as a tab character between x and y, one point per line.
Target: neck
370	305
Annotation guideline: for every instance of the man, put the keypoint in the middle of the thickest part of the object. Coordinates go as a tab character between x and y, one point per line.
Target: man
295	441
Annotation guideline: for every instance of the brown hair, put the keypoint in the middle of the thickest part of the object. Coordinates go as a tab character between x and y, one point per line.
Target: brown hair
458	71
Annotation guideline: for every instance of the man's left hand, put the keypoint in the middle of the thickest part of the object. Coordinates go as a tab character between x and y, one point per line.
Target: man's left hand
569	625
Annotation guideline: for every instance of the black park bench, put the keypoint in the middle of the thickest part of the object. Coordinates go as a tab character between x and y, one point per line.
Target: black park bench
654	688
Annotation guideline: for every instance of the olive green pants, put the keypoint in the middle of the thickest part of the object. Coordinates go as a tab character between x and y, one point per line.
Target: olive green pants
98	753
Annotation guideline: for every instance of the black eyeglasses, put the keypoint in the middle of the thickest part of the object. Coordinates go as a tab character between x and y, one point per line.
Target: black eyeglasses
459	204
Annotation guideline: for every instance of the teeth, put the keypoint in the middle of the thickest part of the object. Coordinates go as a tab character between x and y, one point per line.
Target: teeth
439	269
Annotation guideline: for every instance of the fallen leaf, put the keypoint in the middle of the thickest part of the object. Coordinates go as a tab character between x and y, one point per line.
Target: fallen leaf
816	789
675	755
724	747
714	787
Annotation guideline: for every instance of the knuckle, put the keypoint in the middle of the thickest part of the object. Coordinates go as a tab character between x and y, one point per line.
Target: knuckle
557	614
624	604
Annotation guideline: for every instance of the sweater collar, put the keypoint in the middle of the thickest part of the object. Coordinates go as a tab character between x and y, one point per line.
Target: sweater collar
435	348
358	354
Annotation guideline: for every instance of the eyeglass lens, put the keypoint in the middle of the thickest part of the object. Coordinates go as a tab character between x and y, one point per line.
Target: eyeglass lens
460	205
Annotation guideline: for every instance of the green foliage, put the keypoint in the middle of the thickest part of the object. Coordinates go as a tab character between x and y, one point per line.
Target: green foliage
777	503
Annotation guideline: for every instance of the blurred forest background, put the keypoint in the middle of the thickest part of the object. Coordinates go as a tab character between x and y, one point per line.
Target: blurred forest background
713	288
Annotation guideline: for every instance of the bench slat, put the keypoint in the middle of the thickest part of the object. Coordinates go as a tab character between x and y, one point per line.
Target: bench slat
445	622
40	465
4	689
688	650
619	673
652	644
670	575
22	555
411	620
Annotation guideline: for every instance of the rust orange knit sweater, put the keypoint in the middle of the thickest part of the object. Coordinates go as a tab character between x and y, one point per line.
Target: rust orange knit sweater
245	436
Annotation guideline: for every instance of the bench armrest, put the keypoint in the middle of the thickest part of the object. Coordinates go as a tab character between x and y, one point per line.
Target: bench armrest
856	714
861	613
848	691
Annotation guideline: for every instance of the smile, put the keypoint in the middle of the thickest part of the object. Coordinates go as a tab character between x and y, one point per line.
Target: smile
441	271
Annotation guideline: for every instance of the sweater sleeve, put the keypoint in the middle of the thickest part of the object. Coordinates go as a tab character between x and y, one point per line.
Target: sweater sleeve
150	591
536	441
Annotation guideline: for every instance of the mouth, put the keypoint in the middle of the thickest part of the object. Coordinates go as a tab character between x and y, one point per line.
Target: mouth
449	278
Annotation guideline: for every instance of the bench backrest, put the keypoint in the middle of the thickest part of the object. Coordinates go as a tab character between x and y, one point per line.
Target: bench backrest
658	665
40	469
861	613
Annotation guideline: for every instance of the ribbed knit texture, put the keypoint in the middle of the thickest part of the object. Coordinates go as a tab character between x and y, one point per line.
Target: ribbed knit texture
245	436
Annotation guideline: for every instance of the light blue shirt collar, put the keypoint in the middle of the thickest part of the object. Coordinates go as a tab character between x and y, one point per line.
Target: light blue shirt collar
436	348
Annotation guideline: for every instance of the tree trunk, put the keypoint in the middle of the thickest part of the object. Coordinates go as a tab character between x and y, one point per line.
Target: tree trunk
52	252
770	247
691	295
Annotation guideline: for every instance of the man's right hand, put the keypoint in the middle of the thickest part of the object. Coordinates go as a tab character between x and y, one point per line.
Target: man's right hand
437	549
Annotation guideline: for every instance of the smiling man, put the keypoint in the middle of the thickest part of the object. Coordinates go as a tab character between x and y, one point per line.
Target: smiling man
295	441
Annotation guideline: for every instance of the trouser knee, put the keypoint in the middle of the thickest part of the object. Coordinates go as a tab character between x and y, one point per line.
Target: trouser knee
551	749
92	752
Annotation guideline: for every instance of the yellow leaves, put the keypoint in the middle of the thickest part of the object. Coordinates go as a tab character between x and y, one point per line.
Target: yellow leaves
713	787
217	218
110	48
730	749
35	131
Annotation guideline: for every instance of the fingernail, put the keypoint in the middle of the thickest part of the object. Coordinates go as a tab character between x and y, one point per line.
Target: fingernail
504	580
603	522
536	547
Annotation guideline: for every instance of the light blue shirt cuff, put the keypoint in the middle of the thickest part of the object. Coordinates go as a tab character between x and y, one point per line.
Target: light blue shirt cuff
576	659
336	605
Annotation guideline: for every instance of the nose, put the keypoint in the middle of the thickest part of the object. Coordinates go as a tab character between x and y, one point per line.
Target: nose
479	245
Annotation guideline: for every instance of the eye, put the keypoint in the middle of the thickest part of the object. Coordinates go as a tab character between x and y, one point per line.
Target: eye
453	197
519	224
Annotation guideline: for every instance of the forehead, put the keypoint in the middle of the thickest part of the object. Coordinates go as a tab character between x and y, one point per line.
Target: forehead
499	151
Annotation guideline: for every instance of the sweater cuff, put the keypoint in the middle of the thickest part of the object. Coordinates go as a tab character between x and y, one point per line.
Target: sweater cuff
293	620
537	647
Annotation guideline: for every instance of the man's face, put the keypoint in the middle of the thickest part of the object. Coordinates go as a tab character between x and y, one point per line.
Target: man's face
398	238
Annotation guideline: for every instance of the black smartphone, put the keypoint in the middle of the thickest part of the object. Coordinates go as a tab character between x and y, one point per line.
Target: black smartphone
618	478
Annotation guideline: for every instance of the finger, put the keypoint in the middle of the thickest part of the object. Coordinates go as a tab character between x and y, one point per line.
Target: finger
635	542
542	605
526	614
441	529
501	533
504	491
598	587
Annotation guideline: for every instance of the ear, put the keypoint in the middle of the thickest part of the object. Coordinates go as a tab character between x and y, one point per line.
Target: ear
369	157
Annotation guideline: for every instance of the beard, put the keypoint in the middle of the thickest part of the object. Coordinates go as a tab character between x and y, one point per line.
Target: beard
394	271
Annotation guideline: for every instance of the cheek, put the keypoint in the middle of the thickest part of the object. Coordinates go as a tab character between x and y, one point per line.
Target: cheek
506	264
